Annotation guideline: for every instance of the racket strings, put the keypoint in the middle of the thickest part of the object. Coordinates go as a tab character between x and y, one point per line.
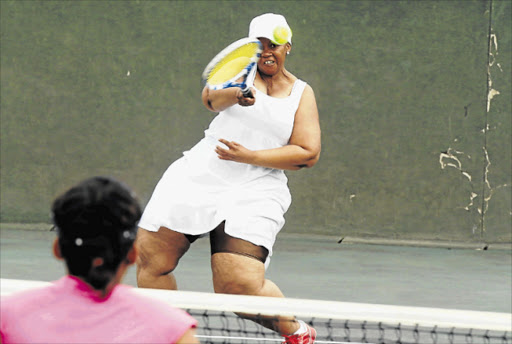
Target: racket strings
232	64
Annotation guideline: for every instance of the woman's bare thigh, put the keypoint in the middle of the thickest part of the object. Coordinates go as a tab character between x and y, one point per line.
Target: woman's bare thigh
160	251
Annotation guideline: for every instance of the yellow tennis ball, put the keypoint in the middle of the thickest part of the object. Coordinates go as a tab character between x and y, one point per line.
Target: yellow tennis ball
281	35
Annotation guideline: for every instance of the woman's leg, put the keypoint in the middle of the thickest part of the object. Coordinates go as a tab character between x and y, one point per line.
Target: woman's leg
238	268
238	274
159	254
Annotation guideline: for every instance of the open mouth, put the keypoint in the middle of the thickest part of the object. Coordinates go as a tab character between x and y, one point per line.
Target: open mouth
268	62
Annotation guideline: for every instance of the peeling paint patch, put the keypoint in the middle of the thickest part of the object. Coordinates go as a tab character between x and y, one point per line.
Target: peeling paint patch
453	161
487	189
490	95
451	158
471	198
493	51
491	190
486	170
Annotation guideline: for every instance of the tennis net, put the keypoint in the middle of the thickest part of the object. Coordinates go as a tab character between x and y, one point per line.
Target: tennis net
335	322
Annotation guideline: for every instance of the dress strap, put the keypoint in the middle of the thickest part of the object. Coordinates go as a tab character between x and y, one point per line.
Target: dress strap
297	89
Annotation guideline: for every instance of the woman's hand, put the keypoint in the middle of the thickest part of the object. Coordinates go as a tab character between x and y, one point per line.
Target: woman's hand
234	152
245	101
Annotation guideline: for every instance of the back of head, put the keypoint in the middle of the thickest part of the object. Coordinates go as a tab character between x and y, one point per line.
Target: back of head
96	218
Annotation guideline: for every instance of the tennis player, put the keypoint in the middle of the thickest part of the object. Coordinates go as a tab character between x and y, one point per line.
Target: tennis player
96	224
232	186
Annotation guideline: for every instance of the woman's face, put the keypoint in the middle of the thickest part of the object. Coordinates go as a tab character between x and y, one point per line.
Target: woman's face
272	57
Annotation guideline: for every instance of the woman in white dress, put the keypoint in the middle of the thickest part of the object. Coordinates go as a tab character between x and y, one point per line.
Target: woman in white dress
231	185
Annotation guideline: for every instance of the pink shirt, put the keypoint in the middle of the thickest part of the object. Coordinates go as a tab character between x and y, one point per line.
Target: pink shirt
69	311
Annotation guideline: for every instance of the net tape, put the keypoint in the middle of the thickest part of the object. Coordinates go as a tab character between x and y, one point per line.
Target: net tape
335	322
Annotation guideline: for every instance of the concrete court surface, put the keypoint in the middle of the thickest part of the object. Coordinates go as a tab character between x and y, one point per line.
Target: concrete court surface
314	267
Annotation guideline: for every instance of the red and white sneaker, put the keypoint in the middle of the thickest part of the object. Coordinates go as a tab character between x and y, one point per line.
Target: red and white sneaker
307	337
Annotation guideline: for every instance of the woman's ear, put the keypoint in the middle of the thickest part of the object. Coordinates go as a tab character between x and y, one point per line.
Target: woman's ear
288	48
56	249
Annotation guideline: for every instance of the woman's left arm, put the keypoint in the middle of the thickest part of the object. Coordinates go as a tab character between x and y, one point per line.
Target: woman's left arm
303	149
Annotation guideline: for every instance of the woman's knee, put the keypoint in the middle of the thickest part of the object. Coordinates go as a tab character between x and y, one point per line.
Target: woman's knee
158	253
153	261
236	274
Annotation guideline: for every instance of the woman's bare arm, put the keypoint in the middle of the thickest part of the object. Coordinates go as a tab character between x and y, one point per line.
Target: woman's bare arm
303	149
218	100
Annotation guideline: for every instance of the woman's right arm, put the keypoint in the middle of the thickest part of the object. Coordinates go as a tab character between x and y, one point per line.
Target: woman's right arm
218	100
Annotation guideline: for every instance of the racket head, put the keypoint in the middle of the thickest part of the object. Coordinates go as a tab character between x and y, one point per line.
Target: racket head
234	62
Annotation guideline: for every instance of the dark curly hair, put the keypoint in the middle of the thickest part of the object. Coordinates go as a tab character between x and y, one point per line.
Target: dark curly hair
96	218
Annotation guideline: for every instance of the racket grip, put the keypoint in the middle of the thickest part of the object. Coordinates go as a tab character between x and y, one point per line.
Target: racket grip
247	92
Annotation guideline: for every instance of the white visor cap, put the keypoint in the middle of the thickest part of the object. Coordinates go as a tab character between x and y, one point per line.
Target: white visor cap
271	26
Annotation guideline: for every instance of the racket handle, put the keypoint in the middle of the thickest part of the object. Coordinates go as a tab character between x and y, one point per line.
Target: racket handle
247	92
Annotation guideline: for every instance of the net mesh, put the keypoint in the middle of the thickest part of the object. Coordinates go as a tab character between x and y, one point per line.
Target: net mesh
335	322
225	327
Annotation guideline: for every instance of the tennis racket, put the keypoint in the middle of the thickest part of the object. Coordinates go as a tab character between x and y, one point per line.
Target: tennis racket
235	66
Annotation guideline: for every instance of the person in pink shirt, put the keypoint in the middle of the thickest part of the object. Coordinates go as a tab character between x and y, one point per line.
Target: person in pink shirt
96	223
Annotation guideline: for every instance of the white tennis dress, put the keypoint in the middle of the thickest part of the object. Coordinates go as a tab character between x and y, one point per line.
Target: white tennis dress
199	190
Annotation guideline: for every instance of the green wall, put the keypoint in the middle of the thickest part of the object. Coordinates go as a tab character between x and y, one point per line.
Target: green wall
410	150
